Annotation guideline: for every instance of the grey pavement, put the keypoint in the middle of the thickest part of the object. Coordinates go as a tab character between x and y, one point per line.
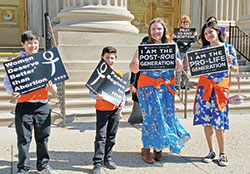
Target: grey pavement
72	149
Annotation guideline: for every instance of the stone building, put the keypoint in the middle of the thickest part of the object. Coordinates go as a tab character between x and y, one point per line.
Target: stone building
19	15
83	27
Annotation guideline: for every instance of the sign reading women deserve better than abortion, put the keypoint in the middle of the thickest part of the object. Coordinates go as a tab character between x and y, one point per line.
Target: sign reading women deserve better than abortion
207	61
157	56
33	72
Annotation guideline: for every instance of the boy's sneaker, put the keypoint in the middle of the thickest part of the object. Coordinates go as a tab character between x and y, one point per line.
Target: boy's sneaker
209	158
48	170
110	164
222	161
96	169
23	173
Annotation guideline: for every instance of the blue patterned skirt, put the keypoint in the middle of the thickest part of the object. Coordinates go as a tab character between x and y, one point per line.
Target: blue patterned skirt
206	112
161	128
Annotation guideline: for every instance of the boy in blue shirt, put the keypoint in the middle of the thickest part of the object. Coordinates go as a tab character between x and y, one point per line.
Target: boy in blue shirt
32	111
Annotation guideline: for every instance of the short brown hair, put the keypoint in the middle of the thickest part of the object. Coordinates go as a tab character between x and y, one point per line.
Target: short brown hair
186	18
109	49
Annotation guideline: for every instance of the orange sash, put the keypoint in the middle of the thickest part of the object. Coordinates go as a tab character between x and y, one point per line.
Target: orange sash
41	94
145	80
219	89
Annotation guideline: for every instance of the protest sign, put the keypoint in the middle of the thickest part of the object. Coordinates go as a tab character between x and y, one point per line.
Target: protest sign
105	82
32	72
157	56
207	61
185	34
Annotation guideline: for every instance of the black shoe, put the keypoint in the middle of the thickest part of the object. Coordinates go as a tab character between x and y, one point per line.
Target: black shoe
96	169
209	158
22	171
184	87
110	164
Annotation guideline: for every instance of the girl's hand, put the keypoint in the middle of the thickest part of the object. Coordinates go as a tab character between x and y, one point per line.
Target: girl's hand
51	87
229	59
16	95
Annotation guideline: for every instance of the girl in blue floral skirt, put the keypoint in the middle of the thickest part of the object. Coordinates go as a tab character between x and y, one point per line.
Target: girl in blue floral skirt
211	101
161	128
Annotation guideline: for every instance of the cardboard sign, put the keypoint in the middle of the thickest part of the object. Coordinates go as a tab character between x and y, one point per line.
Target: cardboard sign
105	82
33	72
157	56
185	34
207	61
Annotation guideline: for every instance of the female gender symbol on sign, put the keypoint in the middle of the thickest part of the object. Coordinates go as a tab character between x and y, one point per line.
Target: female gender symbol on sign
50	61
103	68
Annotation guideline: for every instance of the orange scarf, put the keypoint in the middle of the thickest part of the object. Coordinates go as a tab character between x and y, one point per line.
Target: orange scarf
145	80
219	89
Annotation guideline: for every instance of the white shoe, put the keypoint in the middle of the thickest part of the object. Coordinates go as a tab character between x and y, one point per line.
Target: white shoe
223	160
209	158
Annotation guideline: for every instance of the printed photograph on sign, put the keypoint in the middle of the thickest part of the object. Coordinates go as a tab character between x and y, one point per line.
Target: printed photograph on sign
30	73
157	56
207	61
105	82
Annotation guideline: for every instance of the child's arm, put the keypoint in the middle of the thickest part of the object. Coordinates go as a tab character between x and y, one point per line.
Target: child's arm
134	64
51	87
8	87
94	96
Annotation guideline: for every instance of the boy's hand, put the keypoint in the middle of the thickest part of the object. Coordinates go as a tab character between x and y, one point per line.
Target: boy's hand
16	95
51	87
122	104
99	97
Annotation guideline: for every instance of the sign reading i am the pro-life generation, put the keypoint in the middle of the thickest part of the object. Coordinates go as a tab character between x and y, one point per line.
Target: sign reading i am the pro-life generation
207	61
30	73
105	82
185	34
157	56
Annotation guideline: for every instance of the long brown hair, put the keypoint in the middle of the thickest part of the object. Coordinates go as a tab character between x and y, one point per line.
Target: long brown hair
214	26
166	36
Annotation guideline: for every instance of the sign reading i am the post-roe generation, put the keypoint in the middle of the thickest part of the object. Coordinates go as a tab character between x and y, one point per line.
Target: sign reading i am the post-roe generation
157	56
32	72
207	61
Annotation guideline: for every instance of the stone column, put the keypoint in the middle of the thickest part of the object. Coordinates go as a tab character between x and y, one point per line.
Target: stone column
244	21
106	16
225	11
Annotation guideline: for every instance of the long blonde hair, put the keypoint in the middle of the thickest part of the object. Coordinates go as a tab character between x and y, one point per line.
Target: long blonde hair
166	36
